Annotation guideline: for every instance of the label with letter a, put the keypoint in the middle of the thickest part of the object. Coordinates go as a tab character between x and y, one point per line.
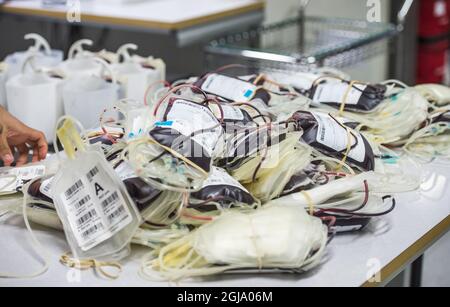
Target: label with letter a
96	209
229	88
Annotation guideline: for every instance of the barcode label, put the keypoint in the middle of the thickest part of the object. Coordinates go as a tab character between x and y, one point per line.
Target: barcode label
116	213
83	202
92	230
95	206
74	188
111	199
92	173
87	217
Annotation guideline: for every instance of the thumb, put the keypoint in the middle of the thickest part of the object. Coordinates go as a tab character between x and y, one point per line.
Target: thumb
5	151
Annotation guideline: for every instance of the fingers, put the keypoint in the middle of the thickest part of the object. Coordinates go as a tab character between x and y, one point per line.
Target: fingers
23	154
5	152
40	146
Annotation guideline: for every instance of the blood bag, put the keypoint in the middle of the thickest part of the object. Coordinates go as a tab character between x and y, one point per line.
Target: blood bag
98	215
230	88
355	96
35	99
44	55
190	129
12	179
221	188
86	97
331	138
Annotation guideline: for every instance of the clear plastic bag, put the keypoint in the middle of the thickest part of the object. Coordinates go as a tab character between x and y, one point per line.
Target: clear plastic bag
93	204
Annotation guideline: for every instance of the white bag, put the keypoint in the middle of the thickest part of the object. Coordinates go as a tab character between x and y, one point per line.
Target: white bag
134	77
80	63
35	99
86	98
44	56
92	202
3	72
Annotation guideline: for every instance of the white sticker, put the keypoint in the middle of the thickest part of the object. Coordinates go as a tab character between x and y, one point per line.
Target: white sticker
125	171
335	93
219	176
96	209
232	113
187	117
12	179
46	187
229	88
332	135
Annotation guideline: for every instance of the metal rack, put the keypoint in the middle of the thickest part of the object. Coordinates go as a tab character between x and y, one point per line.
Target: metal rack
303	43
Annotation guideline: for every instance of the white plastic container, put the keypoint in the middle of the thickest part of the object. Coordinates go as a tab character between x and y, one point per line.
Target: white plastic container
86	97
3	72
35	99
44	56
133	77
80	63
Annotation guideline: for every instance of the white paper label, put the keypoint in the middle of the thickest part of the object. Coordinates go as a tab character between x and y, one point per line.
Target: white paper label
96	209
46	187
187	117
332	135
229	88
14	178
219	176
335	93
232	113
125	171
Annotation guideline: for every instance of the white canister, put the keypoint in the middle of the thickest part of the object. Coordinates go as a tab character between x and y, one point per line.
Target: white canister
80	63
133	77
86	98
35	99
44	56
3	72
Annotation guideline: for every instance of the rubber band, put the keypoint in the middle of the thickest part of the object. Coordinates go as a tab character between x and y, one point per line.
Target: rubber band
86	264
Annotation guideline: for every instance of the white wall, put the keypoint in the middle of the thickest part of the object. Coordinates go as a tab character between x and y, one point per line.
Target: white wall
372	70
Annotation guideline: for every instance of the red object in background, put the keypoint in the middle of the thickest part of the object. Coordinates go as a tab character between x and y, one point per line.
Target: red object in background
434	17
432	62
434	29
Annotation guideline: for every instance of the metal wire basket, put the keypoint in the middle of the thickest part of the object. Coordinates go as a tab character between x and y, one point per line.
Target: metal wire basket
305	42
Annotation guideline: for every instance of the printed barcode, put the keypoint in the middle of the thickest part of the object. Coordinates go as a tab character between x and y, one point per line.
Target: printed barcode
83	202
86	217
92	173
110	200
74	188
91	230
116	213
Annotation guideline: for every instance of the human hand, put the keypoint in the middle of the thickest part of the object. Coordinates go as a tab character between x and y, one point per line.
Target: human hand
17	137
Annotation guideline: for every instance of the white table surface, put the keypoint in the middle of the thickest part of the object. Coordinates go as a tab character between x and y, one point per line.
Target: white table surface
350	257
164	12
